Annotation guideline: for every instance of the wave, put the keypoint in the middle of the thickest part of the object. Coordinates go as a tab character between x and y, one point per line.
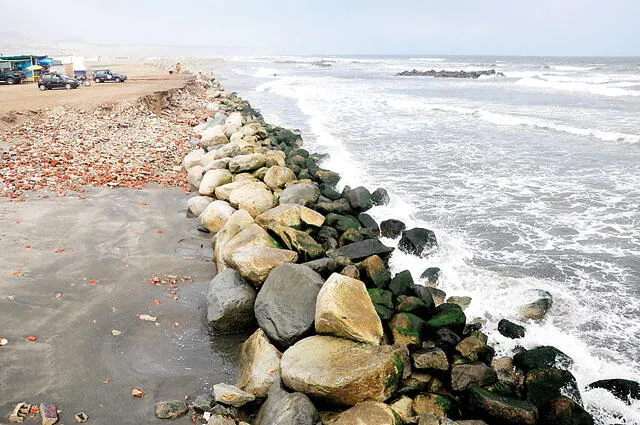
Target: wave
576	86
516	120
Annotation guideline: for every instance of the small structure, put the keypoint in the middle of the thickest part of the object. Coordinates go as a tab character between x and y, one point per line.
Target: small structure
22	62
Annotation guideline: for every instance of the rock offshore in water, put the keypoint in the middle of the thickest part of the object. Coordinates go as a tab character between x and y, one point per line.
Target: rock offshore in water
449	74
170	409
231	395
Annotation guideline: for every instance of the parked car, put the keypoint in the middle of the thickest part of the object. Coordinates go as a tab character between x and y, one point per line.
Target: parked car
103	75
54	80
10	77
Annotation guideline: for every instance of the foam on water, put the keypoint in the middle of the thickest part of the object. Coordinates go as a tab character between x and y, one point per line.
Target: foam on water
577	86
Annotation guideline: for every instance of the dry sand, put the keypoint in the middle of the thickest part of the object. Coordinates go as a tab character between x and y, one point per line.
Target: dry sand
120	238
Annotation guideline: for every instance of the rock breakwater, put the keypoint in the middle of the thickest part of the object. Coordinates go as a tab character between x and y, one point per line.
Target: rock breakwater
449	74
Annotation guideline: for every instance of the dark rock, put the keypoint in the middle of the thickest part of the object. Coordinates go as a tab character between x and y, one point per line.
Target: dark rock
203	403
359	199
230	302
341	206
416	240
497	409
474	349
327	177
391	228
375	272
380	197
542	358
537	309
407	329
286	304
330	245
510	329
381	297
424	293
438	295
296	240
330	192
384	313
401	283
541	385
302	194
323	266
369	223
350	236
448	316
327	232
431	274
358	251
430	358
466	375
564	411
623	389
284	408
342	222
414	305
171	409
446	339
449	74
500	388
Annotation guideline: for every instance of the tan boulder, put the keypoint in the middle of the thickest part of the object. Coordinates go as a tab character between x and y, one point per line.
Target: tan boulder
238	221
344	309
403	408
290	215
244	190
255	262
193	158
277	176
341	371
197	204
215	215
259	363
273	158
223	192
249	235
212	136
257	202
368	413
194	175
248	162
212	179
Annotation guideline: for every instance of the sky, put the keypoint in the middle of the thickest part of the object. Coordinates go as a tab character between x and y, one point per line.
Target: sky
428	27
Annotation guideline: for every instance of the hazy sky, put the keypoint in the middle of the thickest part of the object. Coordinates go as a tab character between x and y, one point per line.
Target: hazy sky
539	27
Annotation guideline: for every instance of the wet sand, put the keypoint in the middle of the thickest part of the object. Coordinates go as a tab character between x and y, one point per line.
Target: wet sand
120	238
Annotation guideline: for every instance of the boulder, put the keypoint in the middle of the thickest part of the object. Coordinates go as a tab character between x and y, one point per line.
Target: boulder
380	197
474	349
290	215
542	358
623	389
238	221
171	409
375	272
342	223
273	158
212	179
510	330
215	215
344	309
369	223
537	309
230	302
415	241
231	395
401	283
249	162
234	119
349	237
466	375
431	419
213	136
541	385
323	266
259	365
359	199
284	408
193	158
255	262
391	228
219	419
504	368
564	411
224	192
407	329
430	358
369	413
340	206
462	301
194	176
327	177
381	297
432	403
276	177
298	241
448	316
197	204
286	305
413	305
249	235
431	274
341	371
302	194
358	251
252	199
498	409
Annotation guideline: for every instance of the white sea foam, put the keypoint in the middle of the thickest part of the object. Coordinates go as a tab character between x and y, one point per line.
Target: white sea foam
576	86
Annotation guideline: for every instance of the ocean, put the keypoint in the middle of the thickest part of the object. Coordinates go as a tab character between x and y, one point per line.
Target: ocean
531	182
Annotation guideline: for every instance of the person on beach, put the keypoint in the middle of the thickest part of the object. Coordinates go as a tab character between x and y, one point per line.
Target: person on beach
178	67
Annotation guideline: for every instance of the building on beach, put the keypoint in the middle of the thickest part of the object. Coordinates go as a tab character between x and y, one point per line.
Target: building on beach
23	62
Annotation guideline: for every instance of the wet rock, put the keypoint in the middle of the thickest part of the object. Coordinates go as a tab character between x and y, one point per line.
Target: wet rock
220	420
342	223
277	177
431	274
286	305
231	395
284	408
215	215
446	339
349	237
340	206
259	363
170	409
430	358
537	309
323	266
302	194
437	295
255	262
466	375
448	316
344	309
359	199
504	368
501	410
474	349
381	297
369	223
375	272
369	413
449	74
463	302
298	241
407	329
432	403
542	358
358	251
401	283
391	228
541	385
203	403
197	204
413	305
230	302
213	179
380	197
327	177
510	329
416	241
623	389
564	411
341	371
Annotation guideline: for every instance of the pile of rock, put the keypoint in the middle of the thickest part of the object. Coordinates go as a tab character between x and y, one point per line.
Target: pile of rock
449	74
339	339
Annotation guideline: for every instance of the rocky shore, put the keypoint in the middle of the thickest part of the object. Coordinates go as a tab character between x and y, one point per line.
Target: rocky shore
449	74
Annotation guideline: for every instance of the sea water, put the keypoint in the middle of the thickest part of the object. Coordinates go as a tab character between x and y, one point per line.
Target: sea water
531	182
